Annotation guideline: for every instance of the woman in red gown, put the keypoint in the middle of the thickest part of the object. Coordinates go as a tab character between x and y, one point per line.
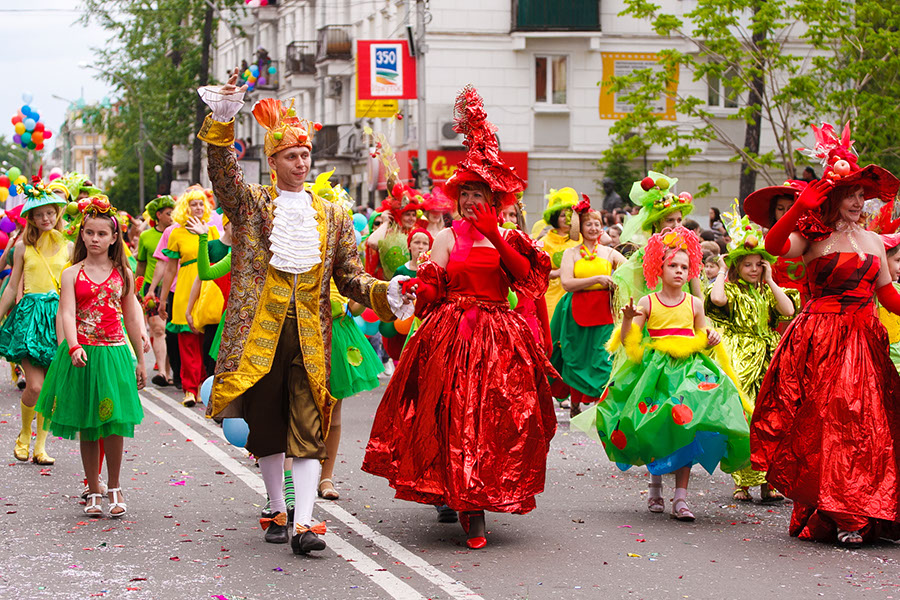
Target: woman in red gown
827	422
468	416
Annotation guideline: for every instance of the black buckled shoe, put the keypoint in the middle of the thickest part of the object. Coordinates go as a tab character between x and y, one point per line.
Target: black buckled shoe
276	528
306	540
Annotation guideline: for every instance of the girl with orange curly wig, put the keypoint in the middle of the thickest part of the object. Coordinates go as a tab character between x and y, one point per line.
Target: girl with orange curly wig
670	406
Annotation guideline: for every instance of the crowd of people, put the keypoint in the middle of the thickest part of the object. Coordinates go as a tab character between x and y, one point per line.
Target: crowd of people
766	345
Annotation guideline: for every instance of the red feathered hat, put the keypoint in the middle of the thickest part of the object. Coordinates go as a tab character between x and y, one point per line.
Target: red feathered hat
840	162
758	205
482	162
402	199
438	201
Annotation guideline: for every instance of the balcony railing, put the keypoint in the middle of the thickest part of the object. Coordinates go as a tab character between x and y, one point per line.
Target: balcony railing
272	79
558	15
334	42
300	58
326	142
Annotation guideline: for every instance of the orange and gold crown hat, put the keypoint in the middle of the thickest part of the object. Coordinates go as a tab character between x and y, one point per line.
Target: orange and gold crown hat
283	128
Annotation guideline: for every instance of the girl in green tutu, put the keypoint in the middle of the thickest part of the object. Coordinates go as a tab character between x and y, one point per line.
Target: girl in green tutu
91	388
670	405
583	320
28	336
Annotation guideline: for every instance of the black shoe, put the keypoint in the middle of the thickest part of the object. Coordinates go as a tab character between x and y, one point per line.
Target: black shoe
446	514
160	381
307	542
177	383
277	534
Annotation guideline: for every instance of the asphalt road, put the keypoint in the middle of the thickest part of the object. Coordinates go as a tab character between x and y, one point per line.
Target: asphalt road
192	532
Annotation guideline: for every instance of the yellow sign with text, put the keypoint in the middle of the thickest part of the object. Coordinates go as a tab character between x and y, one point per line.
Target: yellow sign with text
376	109
617	64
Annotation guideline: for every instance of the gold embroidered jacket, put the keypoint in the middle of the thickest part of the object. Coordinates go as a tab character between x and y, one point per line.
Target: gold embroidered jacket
260	293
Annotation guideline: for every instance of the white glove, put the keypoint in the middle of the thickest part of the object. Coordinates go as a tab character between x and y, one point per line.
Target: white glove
224	107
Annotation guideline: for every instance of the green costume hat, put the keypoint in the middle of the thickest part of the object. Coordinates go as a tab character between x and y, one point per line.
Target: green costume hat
746	238
558	200
655	195
70	186
158	204
37	194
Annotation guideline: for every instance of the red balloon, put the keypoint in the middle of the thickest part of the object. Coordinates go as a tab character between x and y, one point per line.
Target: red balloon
39	146
369	316
4	181
17	119
47	134
39	126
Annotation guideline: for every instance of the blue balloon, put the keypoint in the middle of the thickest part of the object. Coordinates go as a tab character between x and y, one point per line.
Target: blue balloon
26	110
254	69
369	328
236	431
358	237
35	116
206	390
359	221
29	124
26	138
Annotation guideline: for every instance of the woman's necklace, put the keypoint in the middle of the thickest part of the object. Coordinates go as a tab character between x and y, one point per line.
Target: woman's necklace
845	230
588	254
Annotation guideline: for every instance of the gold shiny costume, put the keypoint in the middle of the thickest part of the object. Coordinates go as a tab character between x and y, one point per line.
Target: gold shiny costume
747	323
263	298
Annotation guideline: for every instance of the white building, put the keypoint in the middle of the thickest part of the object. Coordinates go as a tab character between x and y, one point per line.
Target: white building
537	63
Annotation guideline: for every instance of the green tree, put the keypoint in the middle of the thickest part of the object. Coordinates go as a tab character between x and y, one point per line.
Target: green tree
16	156
156	63
781	65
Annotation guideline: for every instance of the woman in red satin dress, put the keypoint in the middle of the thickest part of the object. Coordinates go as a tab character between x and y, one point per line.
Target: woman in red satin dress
468	416
827	419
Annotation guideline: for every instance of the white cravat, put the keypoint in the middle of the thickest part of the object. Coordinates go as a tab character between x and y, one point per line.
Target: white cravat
294	241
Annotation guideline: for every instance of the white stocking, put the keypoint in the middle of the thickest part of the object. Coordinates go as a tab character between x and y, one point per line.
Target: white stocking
272	469
306	482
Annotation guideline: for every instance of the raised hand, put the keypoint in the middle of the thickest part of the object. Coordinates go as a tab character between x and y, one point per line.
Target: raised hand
230	86
630	311
196	226
814	195
486	220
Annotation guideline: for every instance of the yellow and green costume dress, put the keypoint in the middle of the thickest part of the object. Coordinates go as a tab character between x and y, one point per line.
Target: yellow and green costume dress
354	365
670	405
582	324
555	245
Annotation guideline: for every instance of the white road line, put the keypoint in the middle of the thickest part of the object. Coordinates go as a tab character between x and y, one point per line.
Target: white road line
389	582
416	563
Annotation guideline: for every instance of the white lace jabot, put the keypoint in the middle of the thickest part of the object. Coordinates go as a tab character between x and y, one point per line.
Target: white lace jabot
294	241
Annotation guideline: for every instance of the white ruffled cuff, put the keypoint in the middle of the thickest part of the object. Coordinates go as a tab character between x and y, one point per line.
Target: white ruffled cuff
224	106
395	299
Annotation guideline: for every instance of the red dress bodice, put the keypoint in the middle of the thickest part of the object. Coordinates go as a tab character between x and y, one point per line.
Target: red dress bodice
479	276
842	282
98	310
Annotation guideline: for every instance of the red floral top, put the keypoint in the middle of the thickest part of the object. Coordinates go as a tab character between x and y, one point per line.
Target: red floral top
98	310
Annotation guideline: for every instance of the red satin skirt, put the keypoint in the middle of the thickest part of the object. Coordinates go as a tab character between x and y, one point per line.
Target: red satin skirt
468	415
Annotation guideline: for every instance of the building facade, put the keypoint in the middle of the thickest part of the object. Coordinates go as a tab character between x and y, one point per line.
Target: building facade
79	145
538	65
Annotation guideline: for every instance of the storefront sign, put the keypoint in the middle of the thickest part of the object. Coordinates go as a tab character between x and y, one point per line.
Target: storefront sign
618	64
385	70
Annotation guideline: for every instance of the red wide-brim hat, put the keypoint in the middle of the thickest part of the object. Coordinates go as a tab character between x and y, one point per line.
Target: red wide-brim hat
758	205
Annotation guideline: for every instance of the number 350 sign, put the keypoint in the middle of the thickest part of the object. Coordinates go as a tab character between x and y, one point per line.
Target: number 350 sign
385	70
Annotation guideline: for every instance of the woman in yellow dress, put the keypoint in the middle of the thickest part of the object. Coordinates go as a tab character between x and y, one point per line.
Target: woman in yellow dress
558	237
583	321
183	249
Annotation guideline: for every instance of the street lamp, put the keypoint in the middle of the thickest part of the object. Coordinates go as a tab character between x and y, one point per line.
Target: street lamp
157	169
141	133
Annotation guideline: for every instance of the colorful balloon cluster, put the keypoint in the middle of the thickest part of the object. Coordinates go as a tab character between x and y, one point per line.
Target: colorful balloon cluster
253	77
256	3
9	181
30	131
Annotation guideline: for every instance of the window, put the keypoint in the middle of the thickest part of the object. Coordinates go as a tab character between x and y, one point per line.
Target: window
556	15
550	79
720	92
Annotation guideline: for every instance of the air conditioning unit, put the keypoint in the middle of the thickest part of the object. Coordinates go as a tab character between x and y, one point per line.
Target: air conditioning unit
334	87
447	137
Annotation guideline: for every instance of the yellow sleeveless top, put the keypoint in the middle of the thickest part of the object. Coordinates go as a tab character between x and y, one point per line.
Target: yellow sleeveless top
42	270
670	320
585	268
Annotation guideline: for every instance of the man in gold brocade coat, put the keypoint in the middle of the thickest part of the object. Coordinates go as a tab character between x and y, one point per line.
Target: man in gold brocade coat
274	360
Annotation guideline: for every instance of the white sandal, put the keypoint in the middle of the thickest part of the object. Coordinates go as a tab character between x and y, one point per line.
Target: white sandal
655	504
328	493
87	491
94	505
682	512
115	503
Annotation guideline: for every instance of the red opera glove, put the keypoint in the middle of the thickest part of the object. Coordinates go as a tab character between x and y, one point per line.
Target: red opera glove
778	240
425	293
889	298
541	306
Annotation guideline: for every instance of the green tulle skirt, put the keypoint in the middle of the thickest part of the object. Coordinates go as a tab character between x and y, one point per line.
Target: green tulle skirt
579	353
94	401
354	365
30	330
669	413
